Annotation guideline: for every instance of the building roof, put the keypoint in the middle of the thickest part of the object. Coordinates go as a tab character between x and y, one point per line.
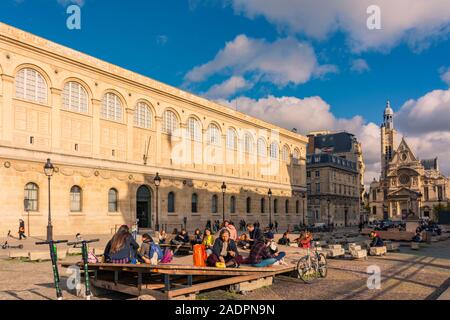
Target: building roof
323	159
430	164
334	142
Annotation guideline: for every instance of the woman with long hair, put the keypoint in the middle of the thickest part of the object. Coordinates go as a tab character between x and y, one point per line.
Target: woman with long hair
122	248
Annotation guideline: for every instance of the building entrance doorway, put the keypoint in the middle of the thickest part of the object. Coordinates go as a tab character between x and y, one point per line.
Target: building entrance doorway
143	207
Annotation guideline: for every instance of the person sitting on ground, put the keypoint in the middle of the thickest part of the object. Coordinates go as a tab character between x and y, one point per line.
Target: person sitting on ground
260	255
244	242
198	238
181	238
376	240
225	251
304	240
268	233
208	241
254	234
271	244
162	237
122	248
149	251
284	240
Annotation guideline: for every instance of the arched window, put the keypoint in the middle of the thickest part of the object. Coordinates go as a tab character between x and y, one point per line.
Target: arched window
231	139
232	204
31	85
170	122
248	143
75	97
263	205
75	199
31	197
297	206
296	156
286	206
213	135
113	200
262	148
194	203
171	202
214	204
249	205
275	206
143	115
285	153
194	129
111	107
274	150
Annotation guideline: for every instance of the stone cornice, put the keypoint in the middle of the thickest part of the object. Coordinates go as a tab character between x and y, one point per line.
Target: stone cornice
29	41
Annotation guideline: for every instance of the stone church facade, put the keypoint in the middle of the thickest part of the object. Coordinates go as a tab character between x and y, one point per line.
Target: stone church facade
408	188
108	131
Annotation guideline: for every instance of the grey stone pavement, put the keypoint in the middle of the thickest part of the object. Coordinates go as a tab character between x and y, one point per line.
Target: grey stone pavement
406	275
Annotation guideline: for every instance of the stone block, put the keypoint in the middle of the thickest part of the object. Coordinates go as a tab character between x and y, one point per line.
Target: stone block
378	251
335	252
392	246
39	255
252	285
73	251
415	245
17	254
358	254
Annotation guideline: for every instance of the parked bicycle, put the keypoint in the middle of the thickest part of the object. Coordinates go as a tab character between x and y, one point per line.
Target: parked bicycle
312	266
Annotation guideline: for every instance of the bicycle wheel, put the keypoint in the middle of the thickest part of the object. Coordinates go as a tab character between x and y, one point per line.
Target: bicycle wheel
322	265
306	269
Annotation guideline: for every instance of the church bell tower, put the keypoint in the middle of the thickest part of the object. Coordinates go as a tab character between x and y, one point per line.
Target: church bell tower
388	135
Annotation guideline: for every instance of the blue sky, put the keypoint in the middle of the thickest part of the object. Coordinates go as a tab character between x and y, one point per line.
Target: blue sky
167	40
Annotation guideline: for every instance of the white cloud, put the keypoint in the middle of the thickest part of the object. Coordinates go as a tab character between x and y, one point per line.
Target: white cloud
228	88
285	61
417	22
162	39
359	66
445	75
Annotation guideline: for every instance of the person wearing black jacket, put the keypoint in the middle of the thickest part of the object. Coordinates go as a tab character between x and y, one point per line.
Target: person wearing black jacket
255	233
224	250
181	238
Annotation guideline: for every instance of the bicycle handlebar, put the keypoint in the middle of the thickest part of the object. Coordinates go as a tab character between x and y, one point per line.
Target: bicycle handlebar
51	241
81	241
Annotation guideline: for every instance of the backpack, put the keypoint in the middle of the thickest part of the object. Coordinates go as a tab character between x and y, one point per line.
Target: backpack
155	248
168	256
92	258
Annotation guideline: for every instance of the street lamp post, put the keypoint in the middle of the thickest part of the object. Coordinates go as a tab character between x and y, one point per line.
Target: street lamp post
157	181
224	188
304	197
49	169
270	207
328	202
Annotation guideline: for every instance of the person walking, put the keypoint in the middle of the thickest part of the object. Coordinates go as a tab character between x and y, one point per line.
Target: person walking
22	229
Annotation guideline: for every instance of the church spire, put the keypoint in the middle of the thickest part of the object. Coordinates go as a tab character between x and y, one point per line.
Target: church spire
388	116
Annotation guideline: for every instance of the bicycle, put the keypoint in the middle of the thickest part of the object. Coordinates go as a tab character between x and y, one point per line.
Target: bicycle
312	266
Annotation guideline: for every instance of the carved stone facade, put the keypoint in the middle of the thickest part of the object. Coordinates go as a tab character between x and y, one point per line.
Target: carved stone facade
108	129
408	187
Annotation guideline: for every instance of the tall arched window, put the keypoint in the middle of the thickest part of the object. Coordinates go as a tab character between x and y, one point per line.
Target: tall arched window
75	199
275	206
274	150
232	204
297	206
31	197
231	139
113	200
263	205
286	206
214	204
143	115
171	202
194	129
213	135
249	205
75	97
248	143
31	85
111	107
194	203
285	153
170	122
262	148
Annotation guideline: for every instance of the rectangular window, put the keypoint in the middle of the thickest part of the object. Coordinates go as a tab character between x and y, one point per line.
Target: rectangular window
426	194
317	187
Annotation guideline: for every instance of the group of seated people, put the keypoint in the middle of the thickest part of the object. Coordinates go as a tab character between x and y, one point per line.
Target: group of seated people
222	249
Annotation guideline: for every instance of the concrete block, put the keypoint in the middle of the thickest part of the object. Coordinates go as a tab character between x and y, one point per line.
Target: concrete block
336	252
17	254
252	285
39	255
358	254
73	251
392	246
378	251
335	246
